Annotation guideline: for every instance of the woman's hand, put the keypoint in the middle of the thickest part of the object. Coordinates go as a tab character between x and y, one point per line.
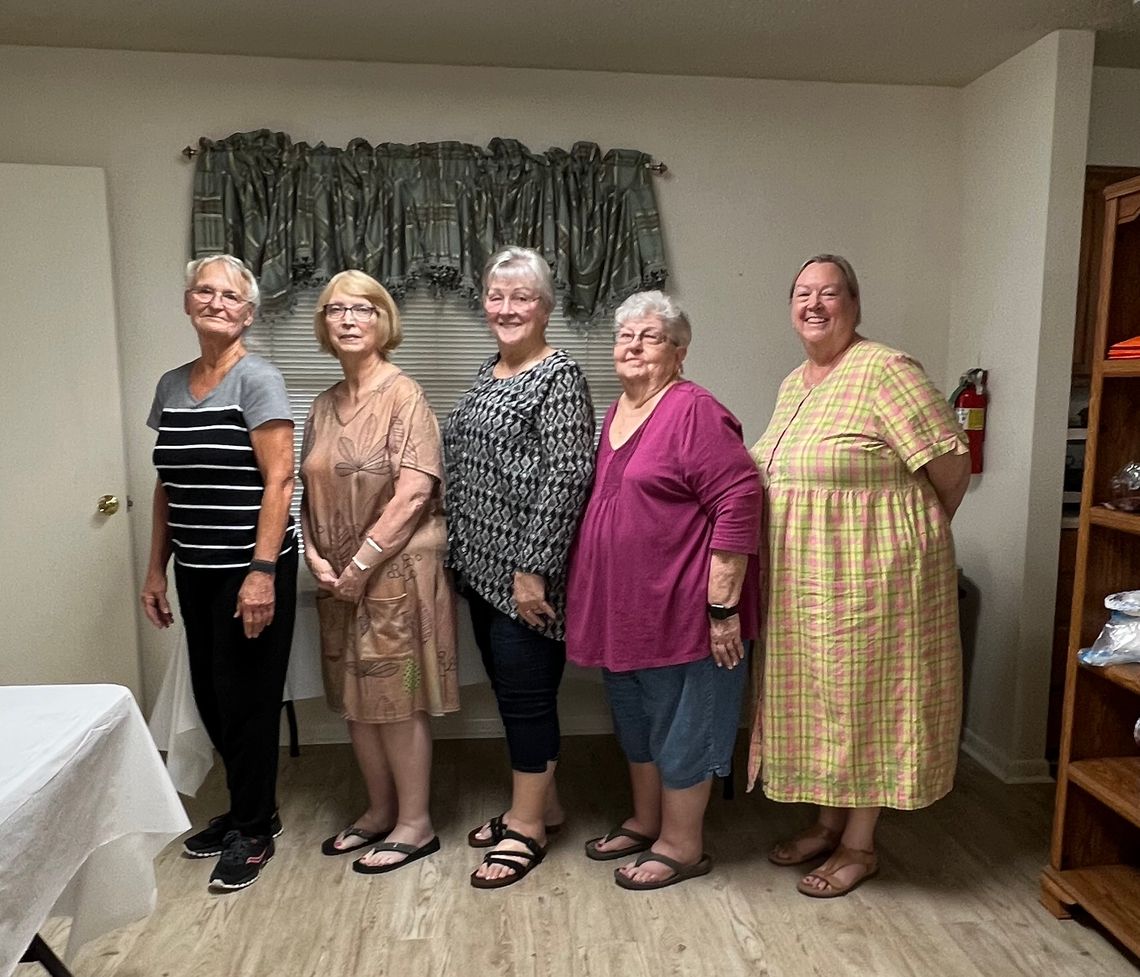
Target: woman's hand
256	602
727	648
155	605
530	599
321	570
349	585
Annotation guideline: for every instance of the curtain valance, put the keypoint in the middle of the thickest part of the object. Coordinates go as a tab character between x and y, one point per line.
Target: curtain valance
430	214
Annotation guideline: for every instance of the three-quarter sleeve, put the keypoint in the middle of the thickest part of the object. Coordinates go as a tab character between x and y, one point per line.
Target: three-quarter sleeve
915	419
565	427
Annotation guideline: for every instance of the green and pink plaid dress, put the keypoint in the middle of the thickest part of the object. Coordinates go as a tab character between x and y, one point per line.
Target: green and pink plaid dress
862	691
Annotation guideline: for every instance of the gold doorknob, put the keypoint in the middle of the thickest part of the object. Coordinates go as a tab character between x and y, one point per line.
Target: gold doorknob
108	505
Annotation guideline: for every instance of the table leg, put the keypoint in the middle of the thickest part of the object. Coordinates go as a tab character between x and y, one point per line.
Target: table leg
291	718
39	952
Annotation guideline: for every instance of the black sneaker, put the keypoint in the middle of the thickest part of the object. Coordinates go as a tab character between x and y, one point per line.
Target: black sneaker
210	841
241	862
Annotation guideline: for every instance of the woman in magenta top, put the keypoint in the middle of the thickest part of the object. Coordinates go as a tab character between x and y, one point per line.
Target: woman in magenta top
663	591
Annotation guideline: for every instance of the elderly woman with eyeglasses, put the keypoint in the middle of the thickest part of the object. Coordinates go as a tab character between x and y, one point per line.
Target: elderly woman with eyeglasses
224	456
663	591
375	541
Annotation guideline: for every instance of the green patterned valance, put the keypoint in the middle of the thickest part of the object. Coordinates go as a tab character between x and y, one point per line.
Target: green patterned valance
430	214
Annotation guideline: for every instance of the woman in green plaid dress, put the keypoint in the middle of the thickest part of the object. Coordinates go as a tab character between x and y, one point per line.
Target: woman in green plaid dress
865	465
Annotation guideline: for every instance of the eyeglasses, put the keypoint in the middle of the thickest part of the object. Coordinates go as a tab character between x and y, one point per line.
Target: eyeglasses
624	338
517	298
361	313
205	294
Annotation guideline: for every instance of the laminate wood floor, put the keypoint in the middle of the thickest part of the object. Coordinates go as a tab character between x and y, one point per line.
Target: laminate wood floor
956	895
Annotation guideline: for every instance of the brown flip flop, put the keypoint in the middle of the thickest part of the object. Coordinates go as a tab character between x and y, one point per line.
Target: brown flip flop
640	843
681	872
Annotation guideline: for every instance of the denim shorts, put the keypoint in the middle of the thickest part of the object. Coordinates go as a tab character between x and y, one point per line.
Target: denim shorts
683	718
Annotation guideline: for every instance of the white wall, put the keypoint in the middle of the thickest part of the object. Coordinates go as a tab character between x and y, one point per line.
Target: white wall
1114	118
761	175
1024	127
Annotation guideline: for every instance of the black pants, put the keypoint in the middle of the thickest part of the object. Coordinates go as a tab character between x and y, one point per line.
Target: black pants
238	682
525	669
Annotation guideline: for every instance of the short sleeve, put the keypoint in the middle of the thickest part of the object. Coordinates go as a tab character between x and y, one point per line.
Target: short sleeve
413	438
915	419
722	475
263	396
154	418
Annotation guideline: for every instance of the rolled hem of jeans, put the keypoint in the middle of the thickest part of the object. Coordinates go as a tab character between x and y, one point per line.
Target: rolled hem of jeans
693	781
521	768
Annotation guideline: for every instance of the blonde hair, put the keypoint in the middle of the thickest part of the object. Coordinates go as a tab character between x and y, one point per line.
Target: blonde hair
388	330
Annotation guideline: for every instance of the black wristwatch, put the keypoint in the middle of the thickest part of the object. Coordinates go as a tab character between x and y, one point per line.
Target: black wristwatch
722	612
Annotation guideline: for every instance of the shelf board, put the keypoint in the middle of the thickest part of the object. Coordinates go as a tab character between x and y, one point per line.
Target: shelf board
1125	522
1077	434
1109	893
1126	676
1114	781
1120	368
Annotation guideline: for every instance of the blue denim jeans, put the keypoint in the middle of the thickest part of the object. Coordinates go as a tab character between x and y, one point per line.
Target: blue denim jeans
683	718
525	669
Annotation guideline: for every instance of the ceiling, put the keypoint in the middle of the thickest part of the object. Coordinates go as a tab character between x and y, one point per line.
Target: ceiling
933	42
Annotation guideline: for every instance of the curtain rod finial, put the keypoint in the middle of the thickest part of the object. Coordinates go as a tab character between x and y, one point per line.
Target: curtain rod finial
189	152
658	168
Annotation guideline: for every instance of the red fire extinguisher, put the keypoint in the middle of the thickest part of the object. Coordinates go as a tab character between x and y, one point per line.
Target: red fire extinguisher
969	402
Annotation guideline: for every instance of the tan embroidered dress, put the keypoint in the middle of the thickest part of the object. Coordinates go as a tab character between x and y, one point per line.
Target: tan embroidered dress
393	653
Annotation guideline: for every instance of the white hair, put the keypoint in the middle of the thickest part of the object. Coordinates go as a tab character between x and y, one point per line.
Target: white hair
235	265
662	307
514	264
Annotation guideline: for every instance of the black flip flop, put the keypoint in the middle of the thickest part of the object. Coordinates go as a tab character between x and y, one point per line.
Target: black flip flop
328	846
411	851
680	872
640	843
496	826
532	856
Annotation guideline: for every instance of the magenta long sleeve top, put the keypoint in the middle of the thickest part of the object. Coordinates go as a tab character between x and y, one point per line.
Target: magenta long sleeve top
680	487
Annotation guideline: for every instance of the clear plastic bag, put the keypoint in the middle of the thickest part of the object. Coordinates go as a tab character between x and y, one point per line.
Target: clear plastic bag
1126	488
1119	640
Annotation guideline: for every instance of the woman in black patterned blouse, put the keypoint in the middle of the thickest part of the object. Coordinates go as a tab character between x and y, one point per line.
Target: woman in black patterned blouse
519	452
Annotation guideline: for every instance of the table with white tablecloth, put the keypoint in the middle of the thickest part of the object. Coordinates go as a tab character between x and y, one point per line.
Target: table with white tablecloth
85	806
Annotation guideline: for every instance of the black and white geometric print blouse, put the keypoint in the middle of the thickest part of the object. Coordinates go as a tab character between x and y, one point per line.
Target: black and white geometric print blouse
519	456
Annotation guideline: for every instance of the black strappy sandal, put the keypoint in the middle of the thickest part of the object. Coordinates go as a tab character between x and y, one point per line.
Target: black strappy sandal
530	858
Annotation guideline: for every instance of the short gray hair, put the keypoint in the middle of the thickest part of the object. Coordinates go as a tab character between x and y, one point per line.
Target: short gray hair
514	263
845	269
662	307
235	265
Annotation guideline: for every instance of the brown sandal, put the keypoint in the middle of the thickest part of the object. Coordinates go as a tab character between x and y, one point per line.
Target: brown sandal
846	857
828	841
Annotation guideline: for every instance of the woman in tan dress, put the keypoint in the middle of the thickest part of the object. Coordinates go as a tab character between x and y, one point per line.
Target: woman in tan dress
375	541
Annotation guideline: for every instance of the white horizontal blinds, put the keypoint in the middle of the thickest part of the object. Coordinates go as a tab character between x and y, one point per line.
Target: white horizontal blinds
445	340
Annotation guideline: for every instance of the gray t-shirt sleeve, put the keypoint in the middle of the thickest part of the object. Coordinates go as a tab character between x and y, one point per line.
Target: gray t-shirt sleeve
263	394
166	391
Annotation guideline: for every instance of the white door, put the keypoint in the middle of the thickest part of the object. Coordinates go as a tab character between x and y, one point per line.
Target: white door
66	577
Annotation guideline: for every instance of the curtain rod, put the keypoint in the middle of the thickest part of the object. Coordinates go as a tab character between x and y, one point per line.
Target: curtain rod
659	168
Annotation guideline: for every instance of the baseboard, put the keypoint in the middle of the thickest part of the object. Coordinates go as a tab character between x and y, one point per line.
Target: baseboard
1005	768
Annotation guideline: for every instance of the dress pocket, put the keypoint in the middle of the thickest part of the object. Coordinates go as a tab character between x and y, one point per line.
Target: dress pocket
392	631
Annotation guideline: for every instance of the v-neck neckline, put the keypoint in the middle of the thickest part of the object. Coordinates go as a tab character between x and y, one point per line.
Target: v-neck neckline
364	401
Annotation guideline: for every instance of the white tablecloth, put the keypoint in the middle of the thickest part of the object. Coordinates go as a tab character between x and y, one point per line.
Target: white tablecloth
85	805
